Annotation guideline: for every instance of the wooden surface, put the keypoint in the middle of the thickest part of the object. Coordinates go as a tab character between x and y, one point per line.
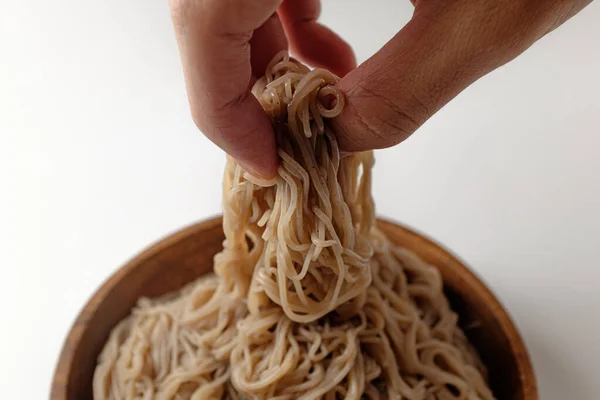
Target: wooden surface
186	255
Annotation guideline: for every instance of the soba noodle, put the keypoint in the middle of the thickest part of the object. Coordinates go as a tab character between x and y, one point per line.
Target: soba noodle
308	300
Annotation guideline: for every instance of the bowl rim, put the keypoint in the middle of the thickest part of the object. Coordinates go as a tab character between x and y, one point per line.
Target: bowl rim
64	364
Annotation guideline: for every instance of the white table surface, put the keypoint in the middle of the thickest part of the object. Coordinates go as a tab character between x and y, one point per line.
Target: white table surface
99	158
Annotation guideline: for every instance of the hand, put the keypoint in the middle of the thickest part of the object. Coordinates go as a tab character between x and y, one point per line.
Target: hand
225	45
447	45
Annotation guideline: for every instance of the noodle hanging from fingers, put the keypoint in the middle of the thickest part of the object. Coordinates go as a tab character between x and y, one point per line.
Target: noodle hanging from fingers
308	300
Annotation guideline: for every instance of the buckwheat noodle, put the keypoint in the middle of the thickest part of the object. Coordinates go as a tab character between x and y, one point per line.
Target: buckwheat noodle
308	300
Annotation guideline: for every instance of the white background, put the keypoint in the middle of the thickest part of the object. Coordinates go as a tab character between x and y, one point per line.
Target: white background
99	158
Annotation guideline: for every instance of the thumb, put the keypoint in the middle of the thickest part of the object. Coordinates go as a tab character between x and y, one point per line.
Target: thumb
444	48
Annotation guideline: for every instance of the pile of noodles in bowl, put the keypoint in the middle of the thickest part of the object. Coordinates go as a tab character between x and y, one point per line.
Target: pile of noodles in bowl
308	299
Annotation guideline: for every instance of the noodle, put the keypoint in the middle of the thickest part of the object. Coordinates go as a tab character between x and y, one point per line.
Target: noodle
308	300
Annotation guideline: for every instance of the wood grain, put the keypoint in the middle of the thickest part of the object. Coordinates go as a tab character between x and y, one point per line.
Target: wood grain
188	254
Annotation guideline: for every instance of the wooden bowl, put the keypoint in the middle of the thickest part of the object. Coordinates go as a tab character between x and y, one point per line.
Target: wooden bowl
184	256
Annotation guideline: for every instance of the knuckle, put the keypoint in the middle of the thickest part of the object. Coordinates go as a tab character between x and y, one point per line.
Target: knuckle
386	121
219	119
224	109
198	118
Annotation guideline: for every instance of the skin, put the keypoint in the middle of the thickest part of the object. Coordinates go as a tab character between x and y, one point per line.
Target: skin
446	46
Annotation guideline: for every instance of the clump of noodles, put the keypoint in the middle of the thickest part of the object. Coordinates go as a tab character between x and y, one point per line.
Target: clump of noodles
315	217
308	300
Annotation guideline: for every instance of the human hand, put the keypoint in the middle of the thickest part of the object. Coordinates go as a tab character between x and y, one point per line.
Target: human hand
225	45
447	45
